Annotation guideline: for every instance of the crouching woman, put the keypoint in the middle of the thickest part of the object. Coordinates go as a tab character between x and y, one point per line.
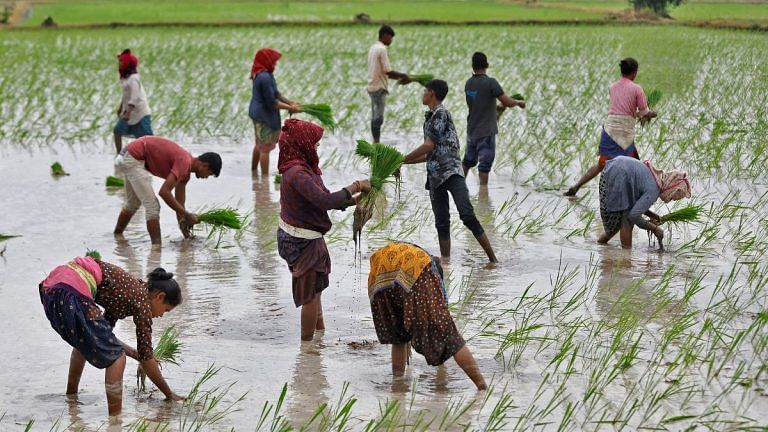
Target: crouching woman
409	306
71	296
628	189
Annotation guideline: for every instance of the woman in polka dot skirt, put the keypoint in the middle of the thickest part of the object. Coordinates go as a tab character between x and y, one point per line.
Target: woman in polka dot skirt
409	305
70	295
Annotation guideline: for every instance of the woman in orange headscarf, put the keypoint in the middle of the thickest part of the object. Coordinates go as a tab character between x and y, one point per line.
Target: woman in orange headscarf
264	110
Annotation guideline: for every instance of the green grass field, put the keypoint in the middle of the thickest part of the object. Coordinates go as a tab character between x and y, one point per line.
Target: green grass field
72	12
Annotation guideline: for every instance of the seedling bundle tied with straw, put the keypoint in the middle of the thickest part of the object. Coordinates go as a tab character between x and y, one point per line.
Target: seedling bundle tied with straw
384	161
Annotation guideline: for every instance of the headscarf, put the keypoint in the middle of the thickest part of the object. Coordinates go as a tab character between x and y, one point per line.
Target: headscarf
264	60
297	145
671	183
128	63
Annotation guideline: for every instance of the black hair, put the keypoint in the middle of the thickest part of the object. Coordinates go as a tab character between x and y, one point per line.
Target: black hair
479	61
440	88
628	66
386	30
162	281
213	160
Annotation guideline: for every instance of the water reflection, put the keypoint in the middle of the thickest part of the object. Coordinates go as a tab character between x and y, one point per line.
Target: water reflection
309	384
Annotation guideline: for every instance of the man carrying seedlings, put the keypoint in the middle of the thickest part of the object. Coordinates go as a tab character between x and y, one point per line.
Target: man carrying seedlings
161	157
440	151
628	104
379	72
133	114
482	92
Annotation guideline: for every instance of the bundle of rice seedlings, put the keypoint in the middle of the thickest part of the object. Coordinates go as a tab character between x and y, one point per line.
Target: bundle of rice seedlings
384	161
58	170
321	112
166	350
686	214
422	79
93	254
222	218
278	179
219	220
654	97
518	96
113	181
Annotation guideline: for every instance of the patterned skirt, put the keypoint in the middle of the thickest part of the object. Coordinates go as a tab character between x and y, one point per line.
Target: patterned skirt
81	324
419	316
612	221
309	263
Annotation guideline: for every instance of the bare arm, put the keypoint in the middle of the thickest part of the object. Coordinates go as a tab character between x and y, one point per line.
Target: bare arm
152	370
165	193
397	75
508	102
419	154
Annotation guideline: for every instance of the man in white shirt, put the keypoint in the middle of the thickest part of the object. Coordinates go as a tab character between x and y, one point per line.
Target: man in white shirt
379	74
134	115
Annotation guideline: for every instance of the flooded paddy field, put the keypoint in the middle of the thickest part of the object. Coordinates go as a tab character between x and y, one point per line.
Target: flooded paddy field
572	335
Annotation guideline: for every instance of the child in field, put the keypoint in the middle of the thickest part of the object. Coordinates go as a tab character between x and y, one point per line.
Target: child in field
440	151
134	116
628	104
71	296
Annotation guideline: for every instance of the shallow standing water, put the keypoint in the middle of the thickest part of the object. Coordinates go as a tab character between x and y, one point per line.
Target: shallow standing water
238	312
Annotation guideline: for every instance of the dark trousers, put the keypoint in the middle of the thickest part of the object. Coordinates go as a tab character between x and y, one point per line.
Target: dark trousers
457	186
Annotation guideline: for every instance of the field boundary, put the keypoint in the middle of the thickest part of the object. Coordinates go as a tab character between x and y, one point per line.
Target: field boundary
715	24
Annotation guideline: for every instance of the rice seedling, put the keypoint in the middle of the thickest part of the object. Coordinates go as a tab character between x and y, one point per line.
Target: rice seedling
58	170
4	237
687	214
384	162
278	179
279	423
113	181
166	351
422	79
322	112
654	97
93	254
518	96
204	409
220	220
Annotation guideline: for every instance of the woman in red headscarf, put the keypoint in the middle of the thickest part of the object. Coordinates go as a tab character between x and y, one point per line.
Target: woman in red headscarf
304	205
264	110
134	116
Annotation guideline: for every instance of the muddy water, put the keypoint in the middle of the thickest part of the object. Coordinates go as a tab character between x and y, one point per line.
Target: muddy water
238	312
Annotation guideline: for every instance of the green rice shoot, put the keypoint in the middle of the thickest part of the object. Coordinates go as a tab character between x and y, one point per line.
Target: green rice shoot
518	96
278	179
4	237
322	112
688	214
58	170
422	79
221	220
113	181
93	253
167	351
654	97
384	161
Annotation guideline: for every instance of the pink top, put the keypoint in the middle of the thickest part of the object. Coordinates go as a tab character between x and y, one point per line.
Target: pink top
628	98
162	157
82	273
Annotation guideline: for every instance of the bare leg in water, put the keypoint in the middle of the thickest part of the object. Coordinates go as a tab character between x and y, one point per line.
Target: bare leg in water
589	175
76	366
467	362
399	358
320	321
309	318
113	383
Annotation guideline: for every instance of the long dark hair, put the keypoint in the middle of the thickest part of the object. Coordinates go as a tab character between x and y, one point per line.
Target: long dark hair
162	281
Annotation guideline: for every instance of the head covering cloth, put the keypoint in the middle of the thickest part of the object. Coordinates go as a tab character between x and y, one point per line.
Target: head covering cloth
297	145
672	183
264	60
129	63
